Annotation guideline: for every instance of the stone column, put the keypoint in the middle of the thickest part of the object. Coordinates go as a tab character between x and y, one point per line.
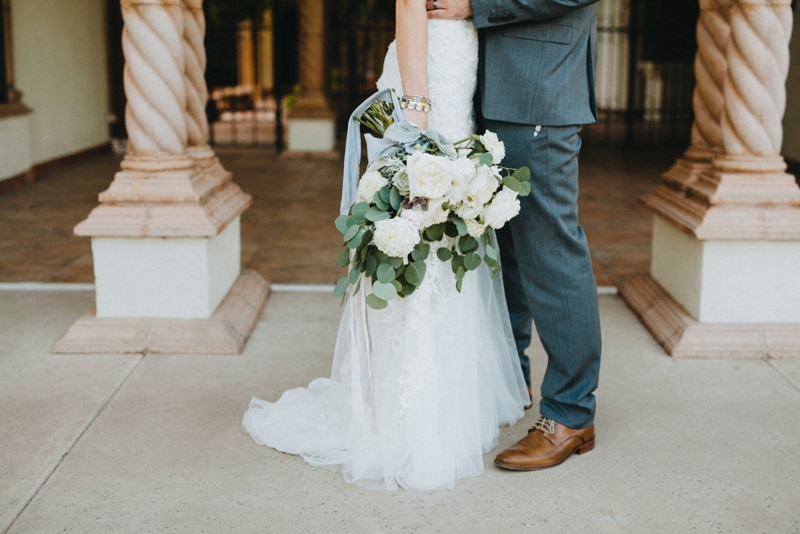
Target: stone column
165	237
311	121
710	68
726	243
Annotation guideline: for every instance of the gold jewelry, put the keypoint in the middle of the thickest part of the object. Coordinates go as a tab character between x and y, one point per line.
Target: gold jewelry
434	4
416	102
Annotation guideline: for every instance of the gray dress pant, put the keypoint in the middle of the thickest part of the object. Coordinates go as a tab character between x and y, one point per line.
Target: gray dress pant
547	270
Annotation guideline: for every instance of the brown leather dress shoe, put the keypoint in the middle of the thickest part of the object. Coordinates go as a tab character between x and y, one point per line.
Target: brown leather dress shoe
547	444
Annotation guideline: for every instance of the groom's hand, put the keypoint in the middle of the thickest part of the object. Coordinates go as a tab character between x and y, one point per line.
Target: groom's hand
449	9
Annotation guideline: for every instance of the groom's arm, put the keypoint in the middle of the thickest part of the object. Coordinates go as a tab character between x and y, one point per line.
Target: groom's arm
488	13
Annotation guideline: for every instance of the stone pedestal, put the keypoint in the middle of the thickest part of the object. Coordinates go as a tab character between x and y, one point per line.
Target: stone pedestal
165	237
726	233
311	123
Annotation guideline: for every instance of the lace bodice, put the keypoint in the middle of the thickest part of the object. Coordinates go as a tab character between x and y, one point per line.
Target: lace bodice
452	76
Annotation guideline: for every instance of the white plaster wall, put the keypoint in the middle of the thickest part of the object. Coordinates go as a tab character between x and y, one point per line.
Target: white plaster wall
61	68
741	282
15	146
791	121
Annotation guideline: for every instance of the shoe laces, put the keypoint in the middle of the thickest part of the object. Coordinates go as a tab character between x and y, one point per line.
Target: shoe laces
548	426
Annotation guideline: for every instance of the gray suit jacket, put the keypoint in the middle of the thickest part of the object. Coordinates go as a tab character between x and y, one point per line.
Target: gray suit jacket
537	60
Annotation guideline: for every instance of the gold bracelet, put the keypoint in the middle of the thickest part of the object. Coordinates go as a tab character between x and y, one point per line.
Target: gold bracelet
416	102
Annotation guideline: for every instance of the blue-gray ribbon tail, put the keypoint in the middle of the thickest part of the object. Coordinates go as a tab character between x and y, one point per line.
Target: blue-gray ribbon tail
352	151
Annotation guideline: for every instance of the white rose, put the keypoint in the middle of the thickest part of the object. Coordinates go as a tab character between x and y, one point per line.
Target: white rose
494	146
396	237
483	185
370	183
504	207
429	176
414	217
474	228
433	213
469	210
463	172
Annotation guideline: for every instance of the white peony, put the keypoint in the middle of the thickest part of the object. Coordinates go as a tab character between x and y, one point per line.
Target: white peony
429	176
494	146
474	228
370	183
433	213
504	207
396	237
481	188
414	217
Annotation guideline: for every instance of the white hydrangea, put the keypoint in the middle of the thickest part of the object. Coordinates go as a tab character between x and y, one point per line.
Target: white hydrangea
396	237
370	183
429	176
474	228
503	208
494	146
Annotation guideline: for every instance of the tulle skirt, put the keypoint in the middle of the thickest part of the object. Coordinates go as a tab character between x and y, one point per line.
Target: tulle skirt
418	390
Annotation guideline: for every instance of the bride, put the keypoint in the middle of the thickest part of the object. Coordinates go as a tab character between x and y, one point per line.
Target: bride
442	374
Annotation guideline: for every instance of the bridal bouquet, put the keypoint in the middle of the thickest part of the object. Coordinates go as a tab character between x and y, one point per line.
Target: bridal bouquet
424	190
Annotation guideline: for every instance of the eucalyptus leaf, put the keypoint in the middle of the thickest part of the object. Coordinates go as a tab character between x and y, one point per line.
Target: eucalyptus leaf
491	252
371	264
341	223
351	232
376	214
467	244
485	159
512	183
379	202
356	240
457	262
395	199
461	226
435	232
385	194
444	254
353	275
396	262
415	273
523	174
459	283
344	257
525	189
472	261
421	251
359	210
450	229
341	287
384	291
386	273
375	302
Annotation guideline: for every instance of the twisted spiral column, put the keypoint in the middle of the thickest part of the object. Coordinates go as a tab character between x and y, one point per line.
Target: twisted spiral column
152	41
755	94
713	34
194	28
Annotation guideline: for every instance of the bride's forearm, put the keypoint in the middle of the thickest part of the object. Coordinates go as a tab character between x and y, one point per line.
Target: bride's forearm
412	51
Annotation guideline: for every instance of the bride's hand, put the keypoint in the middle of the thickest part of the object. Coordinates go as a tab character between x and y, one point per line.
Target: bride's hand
420	118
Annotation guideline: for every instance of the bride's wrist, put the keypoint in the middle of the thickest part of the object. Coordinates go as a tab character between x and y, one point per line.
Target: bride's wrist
420	118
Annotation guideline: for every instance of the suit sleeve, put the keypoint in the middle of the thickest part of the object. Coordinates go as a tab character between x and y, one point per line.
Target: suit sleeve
489	13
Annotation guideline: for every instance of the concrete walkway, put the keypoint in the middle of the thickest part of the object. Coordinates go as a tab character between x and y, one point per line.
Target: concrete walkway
101	443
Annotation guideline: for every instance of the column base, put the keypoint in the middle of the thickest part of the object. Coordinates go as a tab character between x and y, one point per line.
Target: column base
684	337
312	135
225	332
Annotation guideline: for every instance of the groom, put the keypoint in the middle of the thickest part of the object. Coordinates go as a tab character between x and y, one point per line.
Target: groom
535	89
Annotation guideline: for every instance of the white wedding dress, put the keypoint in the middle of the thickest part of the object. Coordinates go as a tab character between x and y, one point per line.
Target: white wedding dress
419	389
